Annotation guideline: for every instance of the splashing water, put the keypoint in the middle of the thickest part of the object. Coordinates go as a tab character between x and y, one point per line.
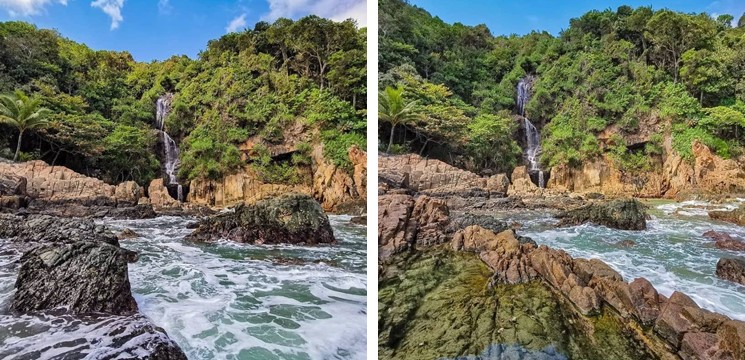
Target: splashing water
227	300
672	253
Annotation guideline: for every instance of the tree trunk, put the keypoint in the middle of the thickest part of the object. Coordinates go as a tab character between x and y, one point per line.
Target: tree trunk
421	152
18	147
390	141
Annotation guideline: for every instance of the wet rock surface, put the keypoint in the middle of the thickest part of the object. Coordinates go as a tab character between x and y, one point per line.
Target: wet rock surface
731	269
725	241
26	232
83	277
736	216
288	219
619	214
73	277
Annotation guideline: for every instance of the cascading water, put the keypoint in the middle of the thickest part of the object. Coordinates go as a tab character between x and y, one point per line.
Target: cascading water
532	135
172	161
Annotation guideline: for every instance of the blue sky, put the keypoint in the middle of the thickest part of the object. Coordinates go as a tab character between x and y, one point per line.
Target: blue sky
520	17
158	29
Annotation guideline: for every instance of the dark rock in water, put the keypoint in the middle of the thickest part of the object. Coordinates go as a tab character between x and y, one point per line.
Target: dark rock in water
97	208
732	270
192	225
127	234
462	221
359	220
89	337
288	219
725	241
618	214
626	243
736	216
354	207
84	277
32	230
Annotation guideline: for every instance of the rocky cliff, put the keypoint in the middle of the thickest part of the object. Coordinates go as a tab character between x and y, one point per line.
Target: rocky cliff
333	187
707	175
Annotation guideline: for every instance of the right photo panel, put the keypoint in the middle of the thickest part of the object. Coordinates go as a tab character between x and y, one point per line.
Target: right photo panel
561	181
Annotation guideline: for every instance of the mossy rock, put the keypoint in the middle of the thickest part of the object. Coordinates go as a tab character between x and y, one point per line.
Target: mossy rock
438	304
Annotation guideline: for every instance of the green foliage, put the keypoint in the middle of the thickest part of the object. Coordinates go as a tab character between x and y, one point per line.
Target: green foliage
256	83
491	141
610	72
23	113
336	146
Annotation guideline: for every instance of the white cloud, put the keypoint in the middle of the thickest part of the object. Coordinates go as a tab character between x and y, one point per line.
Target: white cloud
332	9
112	8
239	23
164	6
27	7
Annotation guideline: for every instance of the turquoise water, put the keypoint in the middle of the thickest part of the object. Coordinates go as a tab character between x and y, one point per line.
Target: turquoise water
227	300
672	253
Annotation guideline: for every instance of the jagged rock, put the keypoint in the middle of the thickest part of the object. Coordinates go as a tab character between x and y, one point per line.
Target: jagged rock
521	183
405	223
34	230
58	183
84	277
396	229
127	234
159	197
725	241
288	219
736	216
12	185
359	220
618	214
462	221
626	243
502	252
731	269
709	174
422	174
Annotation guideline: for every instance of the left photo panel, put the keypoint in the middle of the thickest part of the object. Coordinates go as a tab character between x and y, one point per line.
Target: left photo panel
183	179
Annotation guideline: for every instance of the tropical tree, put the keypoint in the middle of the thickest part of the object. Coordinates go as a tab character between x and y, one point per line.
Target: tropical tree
23	113
394	109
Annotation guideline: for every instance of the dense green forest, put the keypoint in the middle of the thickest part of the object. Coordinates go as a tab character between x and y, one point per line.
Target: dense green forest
256	82
613	70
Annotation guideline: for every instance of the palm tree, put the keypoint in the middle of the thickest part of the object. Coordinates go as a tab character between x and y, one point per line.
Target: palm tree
23	113
393	109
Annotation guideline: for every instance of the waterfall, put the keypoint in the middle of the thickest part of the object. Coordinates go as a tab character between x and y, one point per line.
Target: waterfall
172	161
532	135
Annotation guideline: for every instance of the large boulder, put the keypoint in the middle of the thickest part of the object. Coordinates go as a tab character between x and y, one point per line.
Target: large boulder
731	269
83	277
736	216
34	230
619	214
287	219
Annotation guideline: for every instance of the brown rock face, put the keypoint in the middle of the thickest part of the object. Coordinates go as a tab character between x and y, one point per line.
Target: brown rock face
435	177
333	187
405	222
736	216
725	241
707	174
159	197
58	183
732	270
521	183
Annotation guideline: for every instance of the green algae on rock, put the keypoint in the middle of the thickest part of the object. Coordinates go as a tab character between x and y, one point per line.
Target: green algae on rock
438	303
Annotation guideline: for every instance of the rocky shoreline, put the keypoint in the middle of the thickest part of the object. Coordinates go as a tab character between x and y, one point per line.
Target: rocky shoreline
452	288
76	269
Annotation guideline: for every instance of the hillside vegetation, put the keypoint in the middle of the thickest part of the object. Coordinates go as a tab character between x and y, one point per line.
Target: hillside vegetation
610	72
252	83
